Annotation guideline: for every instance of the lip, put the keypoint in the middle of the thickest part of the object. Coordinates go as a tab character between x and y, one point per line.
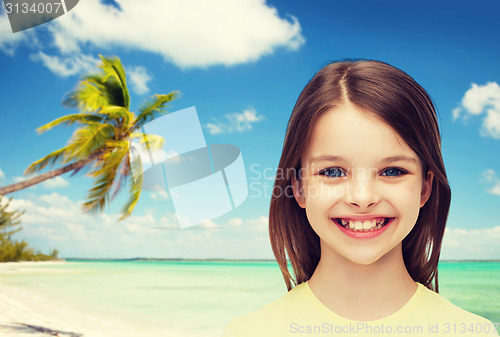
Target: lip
363	217
363	235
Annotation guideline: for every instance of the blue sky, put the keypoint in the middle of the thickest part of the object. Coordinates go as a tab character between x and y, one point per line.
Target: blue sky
242	64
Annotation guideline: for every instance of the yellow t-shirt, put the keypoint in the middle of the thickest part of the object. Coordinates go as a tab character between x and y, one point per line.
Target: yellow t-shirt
300	313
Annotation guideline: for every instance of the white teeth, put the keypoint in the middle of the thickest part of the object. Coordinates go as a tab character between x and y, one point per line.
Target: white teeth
369	224
363	226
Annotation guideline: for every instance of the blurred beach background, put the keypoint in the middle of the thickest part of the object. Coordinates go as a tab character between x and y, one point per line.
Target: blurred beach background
199	298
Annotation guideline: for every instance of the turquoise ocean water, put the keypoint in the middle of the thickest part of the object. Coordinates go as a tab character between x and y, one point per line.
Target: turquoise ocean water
193	298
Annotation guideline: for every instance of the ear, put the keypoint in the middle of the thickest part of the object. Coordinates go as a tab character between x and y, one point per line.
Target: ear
426	188
298	192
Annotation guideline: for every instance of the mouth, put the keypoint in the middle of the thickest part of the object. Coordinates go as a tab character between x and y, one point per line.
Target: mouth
362	226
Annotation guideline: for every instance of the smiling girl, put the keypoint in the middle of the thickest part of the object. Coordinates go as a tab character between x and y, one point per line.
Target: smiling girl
364	227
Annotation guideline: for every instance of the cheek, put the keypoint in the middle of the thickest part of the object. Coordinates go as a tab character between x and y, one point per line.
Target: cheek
322	195
407	201
320	198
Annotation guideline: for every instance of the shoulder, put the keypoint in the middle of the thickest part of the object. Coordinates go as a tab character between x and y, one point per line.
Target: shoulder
435	303
270	318
439	310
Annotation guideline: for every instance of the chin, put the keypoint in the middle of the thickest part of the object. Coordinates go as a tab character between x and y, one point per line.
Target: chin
364	260
368	255
360	254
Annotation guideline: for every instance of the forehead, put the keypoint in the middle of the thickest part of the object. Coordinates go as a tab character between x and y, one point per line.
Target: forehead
357	135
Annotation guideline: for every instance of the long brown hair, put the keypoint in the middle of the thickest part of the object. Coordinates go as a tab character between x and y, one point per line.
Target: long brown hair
402	103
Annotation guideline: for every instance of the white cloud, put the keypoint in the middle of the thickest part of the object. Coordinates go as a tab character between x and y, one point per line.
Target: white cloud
8	40
490	177
55	182
159	195
236	222
194	238
480	96
23	178
495	189
67	65
479	100
55	199
76	64
188	33
235	122
64	41
259	225
456	113
208	225
473	244
158	155
55	221
2	175
47	210
139	78
58	221
19	179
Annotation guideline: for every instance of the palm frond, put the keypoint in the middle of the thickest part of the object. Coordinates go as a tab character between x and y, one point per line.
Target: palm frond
124	171
49	159
98	90
69	120
117	150
154	108
89	96
111	88
149	141
135	187
98	195
117	113
112	67
87	140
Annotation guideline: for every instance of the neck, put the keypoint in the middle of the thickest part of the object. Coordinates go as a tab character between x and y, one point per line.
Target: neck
362	292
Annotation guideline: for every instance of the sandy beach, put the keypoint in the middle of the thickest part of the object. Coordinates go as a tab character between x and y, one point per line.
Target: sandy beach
24	314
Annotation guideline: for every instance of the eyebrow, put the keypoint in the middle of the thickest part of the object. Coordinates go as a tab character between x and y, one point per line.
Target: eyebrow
400	158
390	159
326	158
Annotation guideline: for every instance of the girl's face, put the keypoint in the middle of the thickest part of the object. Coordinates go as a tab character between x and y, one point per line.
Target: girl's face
361	185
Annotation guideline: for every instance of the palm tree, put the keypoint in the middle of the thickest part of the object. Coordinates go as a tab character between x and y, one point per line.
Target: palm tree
8	220
102	143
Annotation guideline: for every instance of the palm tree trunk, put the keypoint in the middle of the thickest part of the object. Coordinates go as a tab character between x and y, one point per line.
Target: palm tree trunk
48	175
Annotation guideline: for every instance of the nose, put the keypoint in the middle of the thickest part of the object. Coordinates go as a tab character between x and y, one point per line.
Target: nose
362	193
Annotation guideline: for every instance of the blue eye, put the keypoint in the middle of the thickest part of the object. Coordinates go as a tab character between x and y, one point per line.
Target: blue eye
332	172
393	172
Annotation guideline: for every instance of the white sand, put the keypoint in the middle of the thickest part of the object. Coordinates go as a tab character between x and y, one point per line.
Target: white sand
26	314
